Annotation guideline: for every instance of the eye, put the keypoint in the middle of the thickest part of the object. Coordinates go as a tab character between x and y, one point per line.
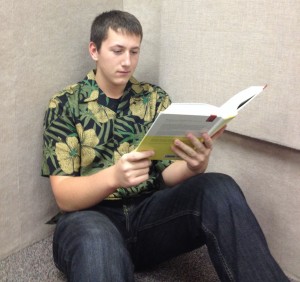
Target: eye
134	52
117	51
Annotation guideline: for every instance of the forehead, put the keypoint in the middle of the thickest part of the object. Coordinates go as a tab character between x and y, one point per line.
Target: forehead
122	38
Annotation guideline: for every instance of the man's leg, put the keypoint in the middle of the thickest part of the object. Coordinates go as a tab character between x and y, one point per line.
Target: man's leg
88	247
211	208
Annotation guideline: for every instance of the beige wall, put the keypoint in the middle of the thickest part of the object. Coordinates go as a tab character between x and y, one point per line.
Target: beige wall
218	48
43	48
201	51
149	14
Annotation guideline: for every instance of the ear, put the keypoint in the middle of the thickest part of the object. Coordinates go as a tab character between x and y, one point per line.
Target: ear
93	51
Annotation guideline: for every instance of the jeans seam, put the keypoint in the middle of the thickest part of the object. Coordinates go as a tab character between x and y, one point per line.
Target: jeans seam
219	253
65	259
169	218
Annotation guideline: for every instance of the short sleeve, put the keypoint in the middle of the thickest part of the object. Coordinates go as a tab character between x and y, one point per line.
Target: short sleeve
61	146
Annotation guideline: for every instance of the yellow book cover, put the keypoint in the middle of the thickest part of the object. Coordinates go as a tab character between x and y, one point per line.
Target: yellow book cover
182	118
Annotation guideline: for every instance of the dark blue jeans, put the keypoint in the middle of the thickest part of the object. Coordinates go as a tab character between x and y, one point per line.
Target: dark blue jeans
107	242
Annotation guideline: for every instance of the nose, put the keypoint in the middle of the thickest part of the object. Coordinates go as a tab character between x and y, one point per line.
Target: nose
126	60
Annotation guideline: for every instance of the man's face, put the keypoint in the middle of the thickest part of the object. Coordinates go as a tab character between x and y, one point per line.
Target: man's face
117	58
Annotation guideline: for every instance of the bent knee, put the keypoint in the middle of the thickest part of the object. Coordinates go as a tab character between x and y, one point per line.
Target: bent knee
98	235
220	185
86	227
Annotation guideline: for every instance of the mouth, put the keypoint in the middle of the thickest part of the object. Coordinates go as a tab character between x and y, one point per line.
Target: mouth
124	72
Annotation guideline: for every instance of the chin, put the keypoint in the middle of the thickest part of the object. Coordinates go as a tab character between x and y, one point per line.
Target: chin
121	81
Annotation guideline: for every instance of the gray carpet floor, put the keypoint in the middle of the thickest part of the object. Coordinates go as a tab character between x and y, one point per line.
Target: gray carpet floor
35	263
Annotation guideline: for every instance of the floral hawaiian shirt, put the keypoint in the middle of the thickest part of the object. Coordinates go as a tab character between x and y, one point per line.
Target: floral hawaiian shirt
85	131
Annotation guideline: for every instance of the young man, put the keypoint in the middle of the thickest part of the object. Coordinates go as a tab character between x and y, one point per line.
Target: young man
120	210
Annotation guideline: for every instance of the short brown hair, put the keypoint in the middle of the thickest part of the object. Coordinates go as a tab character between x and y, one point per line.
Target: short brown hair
116	20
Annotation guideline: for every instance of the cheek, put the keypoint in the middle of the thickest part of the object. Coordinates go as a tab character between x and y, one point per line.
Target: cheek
106	64
135	60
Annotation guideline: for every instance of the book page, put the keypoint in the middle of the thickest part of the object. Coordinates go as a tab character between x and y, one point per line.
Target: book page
241	99
192	109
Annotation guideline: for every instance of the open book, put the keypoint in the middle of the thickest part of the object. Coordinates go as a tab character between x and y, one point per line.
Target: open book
181	118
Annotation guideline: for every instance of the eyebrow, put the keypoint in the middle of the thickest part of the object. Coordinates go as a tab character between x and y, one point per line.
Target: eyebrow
121	46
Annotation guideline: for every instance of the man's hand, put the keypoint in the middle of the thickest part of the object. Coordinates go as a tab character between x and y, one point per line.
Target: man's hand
197	156
132	168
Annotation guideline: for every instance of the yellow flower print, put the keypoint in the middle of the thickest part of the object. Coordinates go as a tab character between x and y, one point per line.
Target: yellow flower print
91	75
94	96
102	114
137	88
144	108
147	87
88	140
70	89
53	103
124	148
68	155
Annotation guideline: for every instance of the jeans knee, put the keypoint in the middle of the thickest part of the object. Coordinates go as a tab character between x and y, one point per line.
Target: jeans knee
223	184
86	240
222	190
100	236
87	232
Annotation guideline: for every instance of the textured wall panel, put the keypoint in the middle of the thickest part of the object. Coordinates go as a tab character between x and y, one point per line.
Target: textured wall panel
148	13
212	49
10	230
44	47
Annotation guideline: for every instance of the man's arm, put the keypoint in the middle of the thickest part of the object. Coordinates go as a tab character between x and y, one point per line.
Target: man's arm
76	193
194	159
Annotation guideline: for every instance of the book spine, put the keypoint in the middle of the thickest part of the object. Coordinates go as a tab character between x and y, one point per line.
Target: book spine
222	122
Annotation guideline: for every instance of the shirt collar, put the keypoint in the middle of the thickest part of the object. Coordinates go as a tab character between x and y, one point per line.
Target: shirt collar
92	92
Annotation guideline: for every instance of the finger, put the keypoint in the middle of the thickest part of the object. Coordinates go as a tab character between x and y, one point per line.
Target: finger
134	178
182	154
144	163
219	133
137	164
186	149
137	156
141	172
139	179
198	145
207	141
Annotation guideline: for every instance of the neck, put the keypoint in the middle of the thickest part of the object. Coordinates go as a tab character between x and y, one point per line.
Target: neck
111	90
